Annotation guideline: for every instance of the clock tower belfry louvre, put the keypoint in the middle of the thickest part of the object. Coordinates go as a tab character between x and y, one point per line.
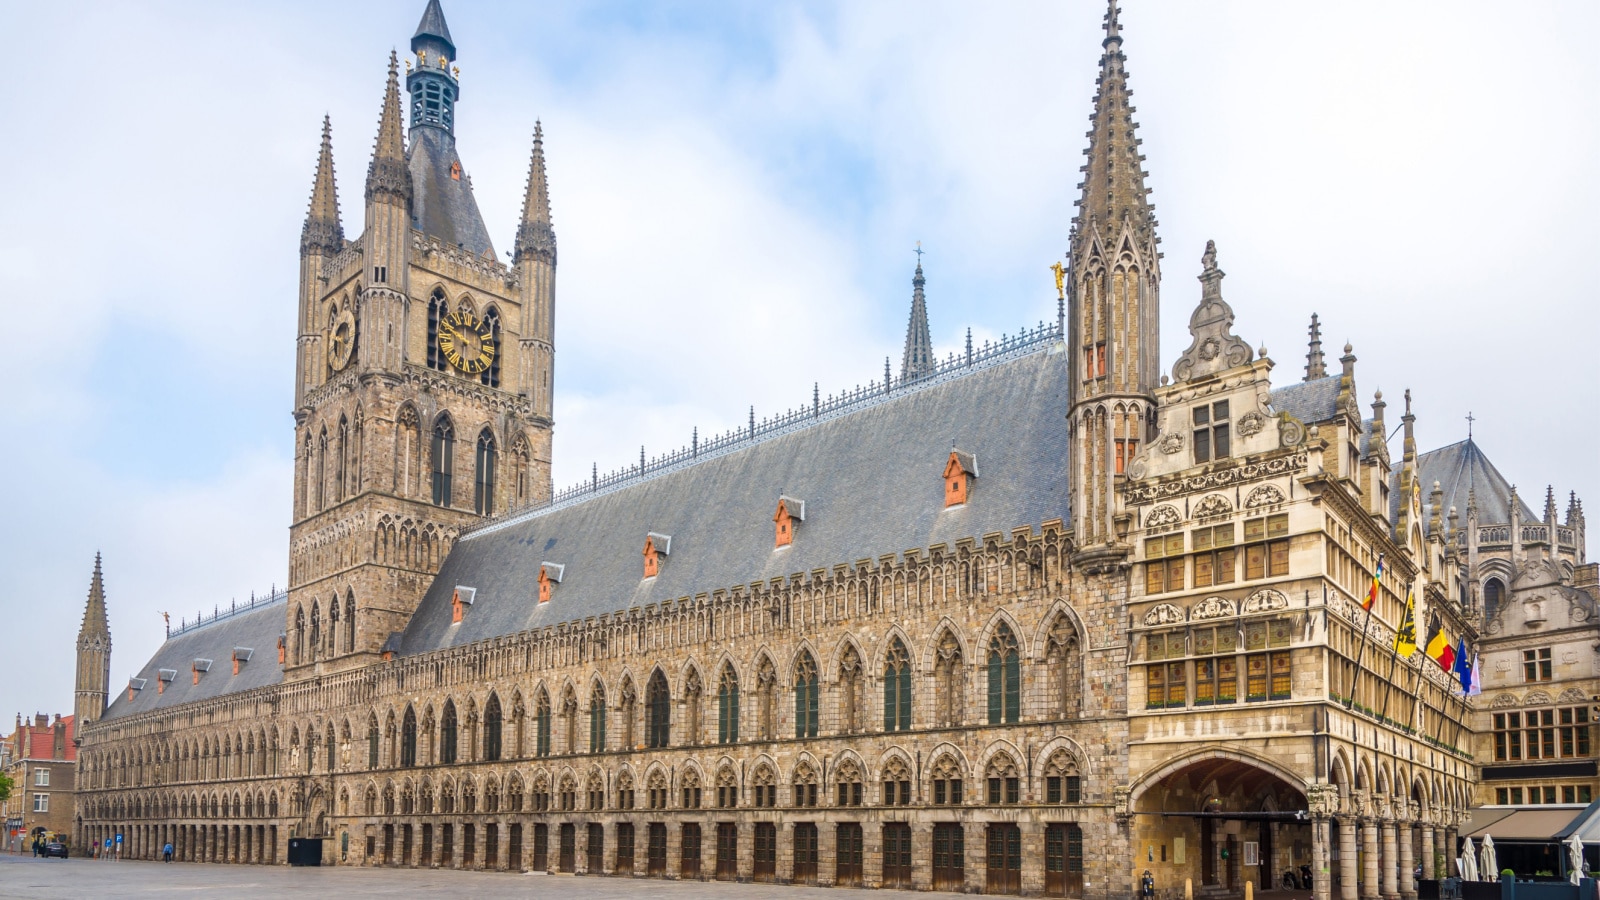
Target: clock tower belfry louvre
424	371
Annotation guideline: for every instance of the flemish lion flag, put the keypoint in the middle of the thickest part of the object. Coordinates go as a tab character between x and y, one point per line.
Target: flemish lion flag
1372	593
1405	639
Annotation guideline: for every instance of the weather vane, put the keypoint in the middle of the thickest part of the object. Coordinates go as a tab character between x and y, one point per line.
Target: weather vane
919	253
1470	420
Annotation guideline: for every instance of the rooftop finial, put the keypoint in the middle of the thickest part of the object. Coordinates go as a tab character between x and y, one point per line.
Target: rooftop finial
1113	28
1470	420
1315	366
322	231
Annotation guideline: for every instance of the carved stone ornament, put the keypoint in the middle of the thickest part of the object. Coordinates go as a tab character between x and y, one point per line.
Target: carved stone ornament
1572	695
1163	614
1162	516
1322	799
1213	505
1291	433
1171	443
1503	701
1214	608
1536	698
1265	495
1137	468
1211	481
1265	600
1251	423
1215	346
1122	803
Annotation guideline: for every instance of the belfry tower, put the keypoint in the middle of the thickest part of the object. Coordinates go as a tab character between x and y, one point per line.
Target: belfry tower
423	388
1113	307
94	656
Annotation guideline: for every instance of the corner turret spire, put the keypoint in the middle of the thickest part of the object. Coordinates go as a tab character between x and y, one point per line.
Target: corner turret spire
387	175
432	30
1315	365
917	361
94	655
535	236
322	232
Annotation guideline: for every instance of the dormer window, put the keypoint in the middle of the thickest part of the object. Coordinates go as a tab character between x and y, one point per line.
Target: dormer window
790	514
549	576
959	471
283	646
241	655
455	170
656	546
200	665
163	678
1210	431
134	685
460	599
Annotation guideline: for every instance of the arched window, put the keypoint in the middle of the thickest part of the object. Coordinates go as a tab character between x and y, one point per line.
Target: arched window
342	448
1005	677
569	719
597	719
850	690
438	308
805	697
521	456
332	748
483	478
629	709
897	688
316	630
407	451
333	625
728	707
491	375
408	738
447	733
848	781
690	732
322	463
1003	782
541	724
1066	666
491	728
372	742
1493	595
350	622
658	702
948	680
444	448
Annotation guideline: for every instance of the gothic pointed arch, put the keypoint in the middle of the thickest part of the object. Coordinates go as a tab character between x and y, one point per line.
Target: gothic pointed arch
442	459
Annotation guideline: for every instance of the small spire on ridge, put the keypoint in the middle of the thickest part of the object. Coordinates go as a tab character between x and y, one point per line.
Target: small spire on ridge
1316	366
388	174
917	361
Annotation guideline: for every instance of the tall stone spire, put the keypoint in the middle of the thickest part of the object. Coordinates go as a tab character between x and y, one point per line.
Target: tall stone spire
94	655
917	361
387	174
1113	313
535	236
1315	366
322	232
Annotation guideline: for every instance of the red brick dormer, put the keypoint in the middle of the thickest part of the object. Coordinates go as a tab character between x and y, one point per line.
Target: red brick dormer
656	546
549	576
790	514
959	473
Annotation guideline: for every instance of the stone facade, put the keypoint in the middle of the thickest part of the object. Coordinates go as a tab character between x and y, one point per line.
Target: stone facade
1176	673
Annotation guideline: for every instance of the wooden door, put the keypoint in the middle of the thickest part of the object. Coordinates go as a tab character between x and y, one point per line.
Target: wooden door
896	855
1004	870
689	864
513	848
1063	860
624	863
727	851
949	857
541	847
597	848
805	853
848	855
569	848
656	862
766	852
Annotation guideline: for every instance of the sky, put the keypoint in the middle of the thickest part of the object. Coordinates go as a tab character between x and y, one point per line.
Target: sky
738	189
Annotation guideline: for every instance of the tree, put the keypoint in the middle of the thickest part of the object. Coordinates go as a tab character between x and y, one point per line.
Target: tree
5	787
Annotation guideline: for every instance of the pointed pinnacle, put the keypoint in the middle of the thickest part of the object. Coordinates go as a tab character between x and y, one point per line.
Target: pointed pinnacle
388	173
322	230
536	239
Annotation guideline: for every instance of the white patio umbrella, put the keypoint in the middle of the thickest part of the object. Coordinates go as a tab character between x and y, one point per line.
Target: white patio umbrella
1574	858
1467	863
1491	866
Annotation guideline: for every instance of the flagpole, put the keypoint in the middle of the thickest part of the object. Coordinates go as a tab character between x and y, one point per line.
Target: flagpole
1394	657
1355	681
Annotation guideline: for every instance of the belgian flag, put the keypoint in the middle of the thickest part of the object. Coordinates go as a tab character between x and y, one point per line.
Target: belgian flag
1440	649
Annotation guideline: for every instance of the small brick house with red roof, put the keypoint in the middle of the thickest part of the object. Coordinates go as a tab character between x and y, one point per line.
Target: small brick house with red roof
41	760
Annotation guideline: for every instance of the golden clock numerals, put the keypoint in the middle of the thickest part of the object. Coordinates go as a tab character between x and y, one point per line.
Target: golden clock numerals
471	355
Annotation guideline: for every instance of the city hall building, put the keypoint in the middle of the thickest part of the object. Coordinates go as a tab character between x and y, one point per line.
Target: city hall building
1040	618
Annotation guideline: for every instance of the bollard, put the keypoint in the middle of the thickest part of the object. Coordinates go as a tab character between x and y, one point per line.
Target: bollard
1249	890
1188	889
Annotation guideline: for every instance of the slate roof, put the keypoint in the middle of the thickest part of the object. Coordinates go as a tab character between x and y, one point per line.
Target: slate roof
1309	401
257	628
441	206
432	25
1461	467
871	480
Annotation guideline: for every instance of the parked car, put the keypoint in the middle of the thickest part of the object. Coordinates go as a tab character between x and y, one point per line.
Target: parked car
55	848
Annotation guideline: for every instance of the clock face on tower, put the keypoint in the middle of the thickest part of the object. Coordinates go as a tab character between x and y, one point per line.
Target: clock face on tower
342	341
467	342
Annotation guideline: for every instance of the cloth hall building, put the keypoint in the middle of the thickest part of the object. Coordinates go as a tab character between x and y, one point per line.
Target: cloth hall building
1040	618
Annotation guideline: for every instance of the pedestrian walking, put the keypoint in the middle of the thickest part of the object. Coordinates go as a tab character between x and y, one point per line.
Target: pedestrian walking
166	852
